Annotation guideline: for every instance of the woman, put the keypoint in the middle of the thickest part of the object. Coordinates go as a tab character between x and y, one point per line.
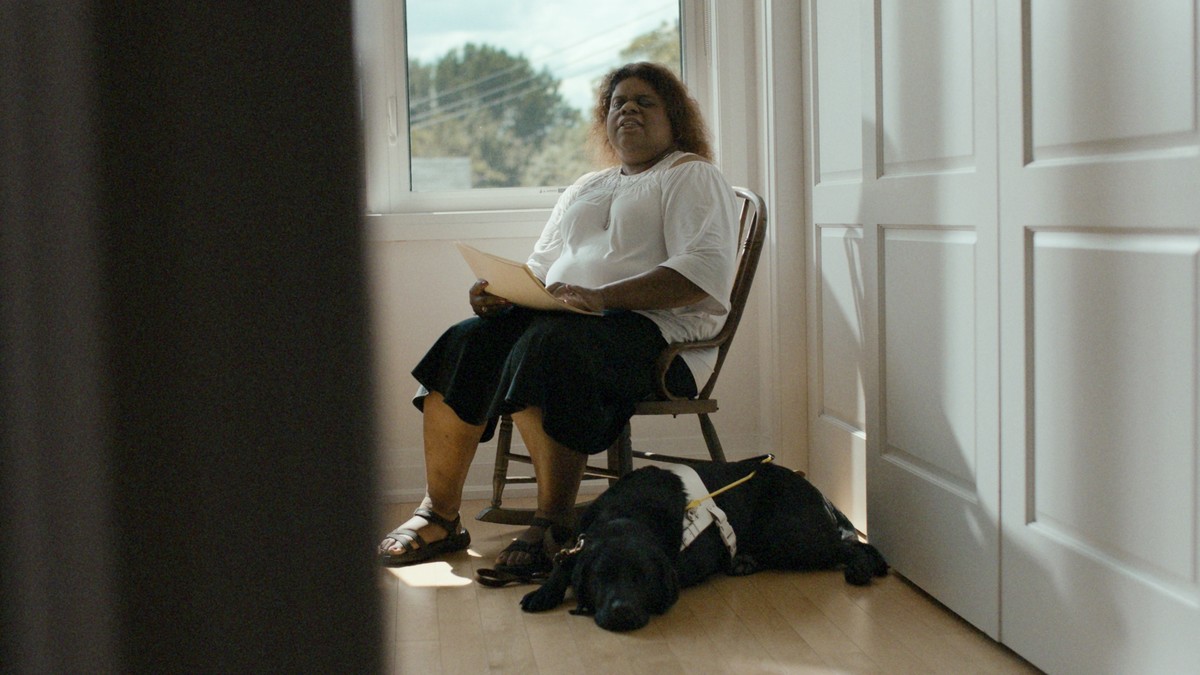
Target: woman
651	244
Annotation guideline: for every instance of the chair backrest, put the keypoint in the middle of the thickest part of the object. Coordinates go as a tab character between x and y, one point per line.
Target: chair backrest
752	232
750	239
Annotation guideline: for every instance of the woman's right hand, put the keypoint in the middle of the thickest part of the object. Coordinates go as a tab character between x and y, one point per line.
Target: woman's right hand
485	304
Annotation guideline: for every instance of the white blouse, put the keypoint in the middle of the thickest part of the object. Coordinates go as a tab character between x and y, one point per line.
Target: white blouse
608	226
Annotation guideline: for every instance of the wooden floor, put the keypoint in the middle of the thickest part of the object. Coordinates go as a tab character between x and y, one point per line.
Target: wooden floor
437	620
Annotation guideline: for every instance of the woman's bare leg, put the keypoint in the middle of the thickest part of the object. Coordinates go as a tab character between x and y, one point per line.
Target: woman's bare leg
450	445
559	471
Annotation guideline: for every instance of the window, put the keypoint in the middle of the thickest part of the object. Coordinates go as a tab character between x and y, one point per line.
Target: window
501	94
479	105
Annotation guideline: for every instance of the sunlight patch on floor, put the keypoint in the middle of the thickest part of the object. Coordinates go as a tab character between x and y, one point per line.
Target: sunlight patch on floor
436	574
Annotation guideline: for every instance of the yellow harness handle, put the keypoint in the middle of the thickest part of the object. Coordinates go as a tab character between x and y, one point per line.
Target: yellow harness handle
696	502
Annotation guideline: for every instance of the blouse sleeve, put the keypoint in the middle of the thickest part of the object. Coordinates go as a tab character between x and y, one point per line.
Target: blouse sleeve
700	228
549	244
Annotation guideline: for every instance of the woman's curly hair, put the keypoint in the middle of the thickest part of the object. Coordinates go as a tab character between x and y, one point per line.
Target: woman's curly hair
683	112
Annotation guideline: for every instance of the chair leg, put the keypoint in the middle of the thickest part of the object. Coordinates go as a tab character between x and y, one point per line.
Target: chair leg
710	438
500	473
620	454
495	513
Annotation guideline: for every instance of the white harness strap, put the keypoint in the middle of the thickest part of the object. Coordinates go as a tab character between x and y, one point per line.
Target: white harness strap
697	519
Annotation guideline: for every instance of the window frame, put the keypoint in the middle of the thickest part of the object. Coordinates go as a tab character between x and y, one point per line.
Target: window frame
395	212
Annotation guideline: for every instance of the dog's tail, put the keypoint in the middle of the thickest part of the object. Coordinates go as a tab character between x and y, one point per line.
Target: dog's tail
862	561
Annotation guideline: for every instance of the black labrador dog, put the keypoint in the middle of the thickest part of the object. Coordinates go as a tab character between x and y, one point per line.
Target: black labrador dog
627	564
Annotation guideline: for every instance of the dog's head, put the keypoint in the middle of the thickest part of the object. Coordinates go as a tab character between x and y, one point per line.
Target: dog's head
622	576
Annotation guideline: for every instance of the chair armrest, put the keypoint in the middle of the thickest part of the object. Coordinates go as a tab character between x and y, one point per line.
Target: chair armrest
668	355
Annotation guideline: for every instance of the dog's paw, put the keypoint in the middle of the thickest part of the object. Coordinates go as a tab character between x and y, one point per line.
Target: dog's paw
742	565
863	563
541	600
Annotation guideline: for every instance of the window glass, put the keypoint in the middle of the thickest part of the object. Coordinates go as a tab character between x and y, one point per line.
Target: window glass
500	93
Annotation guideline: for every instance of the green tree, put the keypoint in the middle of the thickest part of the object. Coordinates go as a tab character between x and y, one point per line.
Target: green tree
480	102
561	160
660	45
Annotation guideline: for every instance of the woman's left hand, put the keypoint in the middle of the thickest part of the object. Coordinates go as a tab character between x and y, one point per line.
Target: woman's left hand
485	304
589	299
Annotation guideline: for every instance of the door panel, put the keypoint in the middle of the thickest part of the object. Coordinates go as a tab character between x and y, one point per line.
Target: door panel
841	337
928	127
930	215
836	393
1099	269
928	296
1100	412
905	262
1105	76
836	77
837	407
933	481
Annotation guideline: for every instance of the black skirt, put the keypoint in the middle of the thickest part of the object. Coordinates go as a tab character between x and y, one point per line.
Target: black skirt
585	373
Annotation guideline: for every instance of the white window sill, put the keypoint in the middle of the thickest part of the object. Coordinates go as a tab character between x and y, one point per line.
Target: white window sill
456	225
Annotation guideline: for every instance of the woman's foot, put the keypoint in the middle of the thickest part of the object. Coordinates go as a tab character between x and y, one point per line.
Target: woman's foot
423	536
535	547
396	542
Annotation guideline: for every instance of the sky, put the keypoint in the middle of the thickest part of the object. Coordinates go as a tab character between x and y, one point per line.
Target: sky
577	40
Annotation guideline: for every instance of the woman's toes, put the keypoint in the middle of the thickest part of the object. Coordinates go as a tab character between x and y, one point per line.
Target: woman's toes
534	535
394	546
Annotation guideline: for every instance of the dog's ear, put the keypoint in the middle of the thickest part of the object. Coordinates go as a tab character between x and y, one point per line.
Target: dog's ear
581	581
670	588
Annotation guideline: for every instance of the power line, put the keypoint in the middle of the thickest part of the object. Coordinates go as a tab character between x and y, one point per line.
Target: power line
553	52
451	112
467	105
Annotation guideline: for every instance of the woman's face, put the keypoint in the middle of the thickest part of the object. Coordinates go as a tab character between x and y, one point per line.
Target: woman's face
638	127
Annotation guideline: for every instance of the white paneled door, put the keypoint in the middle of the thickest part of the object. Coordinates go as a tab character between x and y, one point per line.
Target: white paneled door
1005	312
1100	257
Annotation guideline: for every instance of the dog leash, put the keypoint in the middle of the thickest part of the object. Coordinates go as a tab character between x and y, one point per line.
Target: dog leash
767	459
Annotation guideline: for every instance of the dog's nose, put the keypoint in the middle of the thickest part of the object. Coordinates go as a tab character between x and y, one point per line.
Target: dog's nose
621	616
